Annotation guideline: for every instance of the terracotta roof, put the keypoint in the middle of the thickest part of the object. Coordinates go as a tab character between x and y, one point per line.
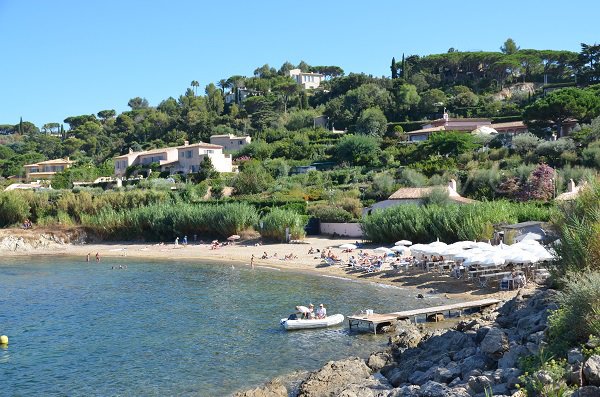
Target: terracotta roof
427	130
417	193
200	144
512	124
55	161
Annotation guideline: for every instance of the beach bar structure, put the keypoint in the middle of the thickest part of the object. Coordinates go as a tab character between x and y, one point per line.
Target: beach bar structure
372	321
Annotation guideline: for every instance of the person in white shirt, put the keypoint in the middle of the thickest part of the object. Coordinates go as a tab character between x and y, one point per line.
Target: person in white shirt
322	312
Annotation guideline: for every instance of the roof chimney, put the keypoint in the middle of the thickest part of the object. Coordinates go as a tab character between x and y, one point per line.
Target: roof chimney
130	150
186	143
452	185
571	186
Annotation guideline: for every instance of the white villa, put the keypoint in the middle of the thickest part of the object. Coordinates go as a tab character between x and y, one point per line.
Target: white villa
230	142
179	159
46	169
307	80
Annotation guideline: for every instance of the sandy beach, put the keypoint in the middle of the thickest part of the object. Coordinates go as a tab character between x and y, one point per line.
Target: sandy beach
240	254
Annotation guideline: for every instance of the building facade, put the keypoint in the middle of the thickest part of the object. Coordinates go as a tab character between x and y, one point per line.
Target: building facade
306	80
230	142
46	169
177	160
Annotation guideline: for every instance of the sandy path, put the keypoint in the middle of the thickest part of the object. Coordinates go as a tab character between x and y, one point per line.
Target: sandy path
240	253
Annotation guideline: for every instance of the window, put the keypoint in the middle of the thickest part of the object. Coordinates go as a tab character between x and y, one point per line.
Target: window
188	154
210	151
118	165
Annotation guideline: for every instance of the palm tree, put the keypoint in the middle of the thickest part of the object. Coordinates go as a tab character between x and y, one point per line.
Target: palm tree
224	84
195	84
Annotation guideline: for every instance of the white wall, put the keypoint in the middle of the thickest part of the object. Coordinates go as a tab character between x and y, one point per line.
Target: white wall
342	229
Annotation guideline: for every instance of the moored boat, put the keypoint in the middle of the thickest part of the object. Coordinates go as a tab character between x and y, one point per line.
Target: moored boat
291	324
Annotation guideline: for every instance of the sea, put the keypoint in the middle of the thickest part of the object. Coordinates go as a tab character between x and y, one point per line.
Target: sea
139	327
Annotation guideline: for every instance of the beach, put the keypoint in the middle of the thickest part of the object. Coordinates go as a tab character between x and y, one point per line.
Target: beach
17	242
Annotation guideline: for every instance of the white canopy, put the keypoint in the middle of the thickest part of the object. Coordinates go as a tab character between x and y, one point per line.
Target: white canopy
383	250
400	248
403	242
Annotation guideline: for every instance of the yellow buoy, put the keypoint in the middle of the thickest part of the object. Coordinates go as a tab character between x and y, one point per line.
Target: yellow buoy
3	340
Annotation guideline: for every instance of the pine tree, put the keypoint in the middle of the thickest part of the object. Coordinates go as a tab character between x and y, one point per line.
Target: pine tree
394	70
402	73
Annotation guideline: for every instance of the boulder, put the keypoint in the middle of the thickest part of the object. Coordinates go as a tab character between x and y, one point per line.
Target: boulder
495	343
406	335
511	357
587	391
479	383
378	360
434	389
405	391
334	377
447	374
591	371
574	356
477	362
371	387
271	389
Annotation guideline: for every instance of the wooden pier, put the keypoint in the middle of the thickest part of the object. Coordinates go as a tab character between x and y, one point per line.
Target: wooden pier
372	321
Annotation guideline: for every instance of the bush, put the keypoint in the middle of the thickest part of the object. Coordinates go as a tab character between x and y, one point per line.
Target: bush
275	223
327	213
579	313
13	209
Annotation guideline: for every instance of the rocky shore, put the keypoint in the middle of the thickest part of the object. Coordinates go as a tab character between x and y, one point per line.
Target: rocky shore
477	357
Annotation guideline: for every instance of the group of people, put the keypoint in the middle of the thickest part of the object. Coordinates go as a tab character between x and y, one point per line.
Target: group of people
27	224
308	313
87	257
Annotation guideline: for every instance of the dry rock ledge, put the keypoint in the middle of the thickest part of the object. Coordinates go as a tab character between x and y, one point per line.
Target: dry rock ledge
478	354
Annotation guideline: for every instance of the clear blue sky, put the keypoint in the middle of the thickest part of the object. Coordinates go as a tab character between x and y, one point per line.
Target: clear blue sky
70	57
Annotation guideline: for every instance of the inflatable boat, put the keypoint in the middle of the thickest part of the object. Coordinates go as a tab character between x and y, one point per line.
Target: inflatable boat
291	323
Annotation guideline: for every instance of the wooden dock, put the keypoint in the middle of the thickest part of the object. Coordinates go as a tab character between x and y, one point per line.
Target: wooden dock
372	321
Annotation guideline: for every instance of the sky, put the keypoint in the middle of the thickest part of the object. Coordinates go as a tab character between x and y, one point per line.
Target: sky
72	57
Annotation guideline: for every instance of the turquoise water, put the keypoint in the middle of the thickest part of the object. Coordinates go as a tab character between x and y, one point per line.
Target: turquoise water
169	328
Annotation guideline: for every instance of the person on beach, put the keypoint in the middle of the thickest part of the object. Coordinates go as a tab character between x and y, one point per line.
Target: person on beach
176	241
184	240
87	258
97	257
252	261
322	312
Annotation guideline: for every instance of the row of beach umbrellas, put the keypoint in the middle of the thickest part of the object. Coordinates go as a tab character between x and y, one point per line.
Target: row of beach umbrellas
472	253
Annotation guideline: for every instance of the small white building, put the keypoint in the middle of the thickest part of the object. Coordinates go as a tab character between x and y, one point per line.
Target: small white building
572	192
307	80
417	196
230	142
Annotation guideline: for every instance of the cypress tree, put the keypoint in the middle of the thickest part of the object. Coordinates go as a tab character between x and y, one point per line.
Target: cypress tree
403	74
21	126
394	70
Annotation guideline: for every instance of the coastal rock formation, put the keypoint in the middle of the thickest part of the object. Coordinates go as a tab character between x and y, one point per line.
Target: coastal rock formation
591	371
334	378
477	356
271	389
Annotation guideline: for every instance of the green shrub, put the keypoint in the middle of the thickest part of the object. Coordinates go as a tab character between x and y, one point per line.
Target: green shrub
327	213
276	221
579	314
13	209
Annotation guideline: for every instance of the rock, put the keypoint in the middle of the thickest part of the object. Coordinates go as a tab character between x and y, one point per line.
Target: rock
495	343
591	371
574	374
405	391
477	362
447	374
510	358
405	336
587	391
574	356
396	375
479	383
334	377
464	353
499	389
434	389
481	333
372	387
378	360
543	377
271	389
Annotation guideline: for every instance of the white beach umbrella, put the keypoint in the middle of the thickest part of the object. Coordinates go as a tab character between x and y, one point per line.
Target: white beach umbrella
403	242
419	248
383	250
492	260
463	244
520	256
400	248
348	246
474	260
530	236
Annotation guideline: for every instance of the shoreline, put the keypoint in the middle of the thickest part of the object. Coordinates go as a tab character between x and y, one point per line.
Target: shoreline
240	254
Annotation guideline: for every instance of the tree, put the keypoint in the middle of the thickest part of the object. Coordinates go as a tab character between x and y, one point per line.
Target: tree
358	150
195	86
136	103
106	114
432	100
372	121
287	89
448	144
524	143
540	184
286	67
252	179
51	128
214	99
394	69
558	106
509	47
224	84
407	97
76	121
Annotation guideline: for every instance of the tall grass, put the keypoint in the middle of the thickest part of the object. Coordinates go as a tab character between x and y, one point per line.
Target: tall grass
166	221
449	223
277	220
